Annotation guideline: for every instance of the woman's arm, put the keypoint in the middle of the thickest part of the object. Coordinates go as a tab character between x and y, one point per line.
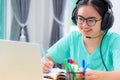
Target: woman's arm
102	75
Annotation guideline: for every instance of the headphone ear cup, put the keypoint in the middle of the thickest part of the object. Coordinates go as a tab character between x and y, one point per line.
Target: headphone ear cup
107	21
74	16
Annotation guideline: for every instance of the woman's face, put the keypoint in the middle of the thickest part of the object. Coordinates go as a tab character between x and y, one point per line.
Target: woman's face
89	21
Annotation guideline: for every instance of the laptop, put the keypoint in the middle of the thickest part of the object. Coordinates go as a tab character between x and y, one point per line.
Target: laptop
20	61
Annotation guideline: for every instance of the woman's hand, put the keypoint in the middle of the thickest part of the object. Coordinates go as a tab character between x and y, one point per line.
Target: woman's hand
96	75
46	66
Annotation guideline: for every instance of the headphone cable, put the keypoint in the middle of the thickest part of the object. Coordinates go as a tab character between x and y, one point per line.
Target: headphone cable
101	50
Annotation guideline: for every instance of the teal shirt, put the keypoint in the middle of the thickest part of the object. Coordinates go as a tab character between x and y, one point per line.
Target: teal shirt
72	46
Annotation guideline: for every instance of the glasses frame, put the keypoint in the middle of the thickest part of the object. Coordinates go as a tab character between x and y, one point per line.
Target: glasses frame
87	20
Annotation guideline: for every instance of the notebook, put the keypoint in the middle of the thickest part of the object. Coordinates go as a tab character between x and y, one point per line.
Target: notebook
20	61
55	73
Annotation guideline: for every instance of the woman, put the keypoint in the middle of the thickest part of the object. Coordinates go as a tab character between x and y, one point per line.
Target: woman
93	42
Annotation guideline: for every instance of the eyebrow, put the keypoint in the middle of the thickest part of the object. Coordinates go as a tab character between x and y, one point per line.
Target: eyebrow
91	17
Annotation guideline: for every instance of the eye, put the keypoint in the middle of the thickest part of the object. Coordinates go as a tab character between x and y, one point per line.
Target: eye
90	20
80	18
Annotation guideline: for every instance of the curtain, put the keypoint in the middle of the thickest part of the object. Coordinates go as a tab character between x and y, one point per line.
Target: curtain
2	19
58	22
19	28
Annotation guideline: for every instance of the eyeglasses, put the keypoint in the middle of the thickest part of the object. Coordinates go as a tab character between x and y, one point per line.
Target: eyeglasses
91	21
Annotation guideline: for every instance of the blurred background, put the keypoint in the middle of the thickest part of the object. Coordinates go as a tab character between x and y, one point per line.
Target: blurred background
39	21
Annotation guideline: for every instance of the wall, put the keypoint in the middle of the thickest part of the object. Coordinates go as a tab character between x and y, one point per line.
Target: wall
116	10
40	21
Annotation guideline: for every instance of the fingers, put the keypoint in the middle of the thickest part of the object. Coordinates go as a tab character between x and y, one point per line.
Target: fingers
89	75
46	66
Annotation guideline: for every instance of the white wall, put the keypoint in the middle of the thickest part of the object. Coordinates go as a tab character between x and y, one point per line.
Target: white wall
116	10
8	19
40	21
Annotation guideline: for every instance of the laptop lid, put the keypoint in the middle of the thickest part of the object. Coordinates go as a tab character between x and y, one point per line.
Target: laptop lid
20	61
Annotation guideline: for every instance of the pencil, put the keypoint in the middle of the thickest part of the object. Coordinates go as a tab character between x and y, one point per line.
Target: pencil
44	54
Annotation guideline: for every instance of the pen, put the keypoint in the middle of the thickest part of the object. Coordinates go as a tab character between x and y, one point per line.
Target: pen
66	65
44	54
83	64
86	66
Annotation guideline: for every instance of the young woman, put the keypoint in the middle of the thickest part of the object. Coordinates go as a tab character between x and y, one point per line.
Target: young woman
93	42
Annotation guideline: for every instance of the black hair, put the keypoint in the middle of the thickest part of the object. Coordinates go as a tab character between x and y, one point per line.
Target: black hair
99	5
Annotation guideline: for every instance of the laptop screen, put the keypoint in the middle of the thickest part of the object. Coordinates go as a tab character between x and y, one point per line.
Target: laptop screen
20	61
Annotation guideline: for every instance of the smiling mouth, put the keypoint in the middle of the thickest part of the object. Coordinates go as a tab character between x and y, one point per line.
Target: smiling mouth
86	31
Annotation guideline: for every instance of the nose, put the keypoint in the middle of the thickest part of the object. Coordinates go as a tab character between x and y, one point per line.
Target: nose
84	24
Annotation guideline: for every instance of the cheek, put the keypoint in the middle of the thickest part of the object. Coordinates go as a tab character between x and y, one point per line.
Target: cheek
80	28
98	27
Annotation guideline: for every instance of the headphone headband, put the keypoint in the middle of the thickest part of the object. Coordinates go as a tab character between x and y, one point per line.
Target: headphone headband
110	6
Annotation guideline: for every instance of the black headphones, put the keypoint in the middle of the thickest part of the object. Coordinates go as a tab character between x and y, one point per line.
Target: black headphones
107	20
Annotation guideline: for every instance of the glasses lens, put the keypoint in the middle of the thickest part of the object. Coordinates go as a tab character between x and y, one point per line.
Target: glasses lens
91	22
80	20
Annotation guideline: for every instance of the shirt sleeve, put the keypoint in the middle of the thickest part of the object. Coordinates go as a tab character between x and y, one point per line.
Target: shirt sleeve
60	50
116	53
